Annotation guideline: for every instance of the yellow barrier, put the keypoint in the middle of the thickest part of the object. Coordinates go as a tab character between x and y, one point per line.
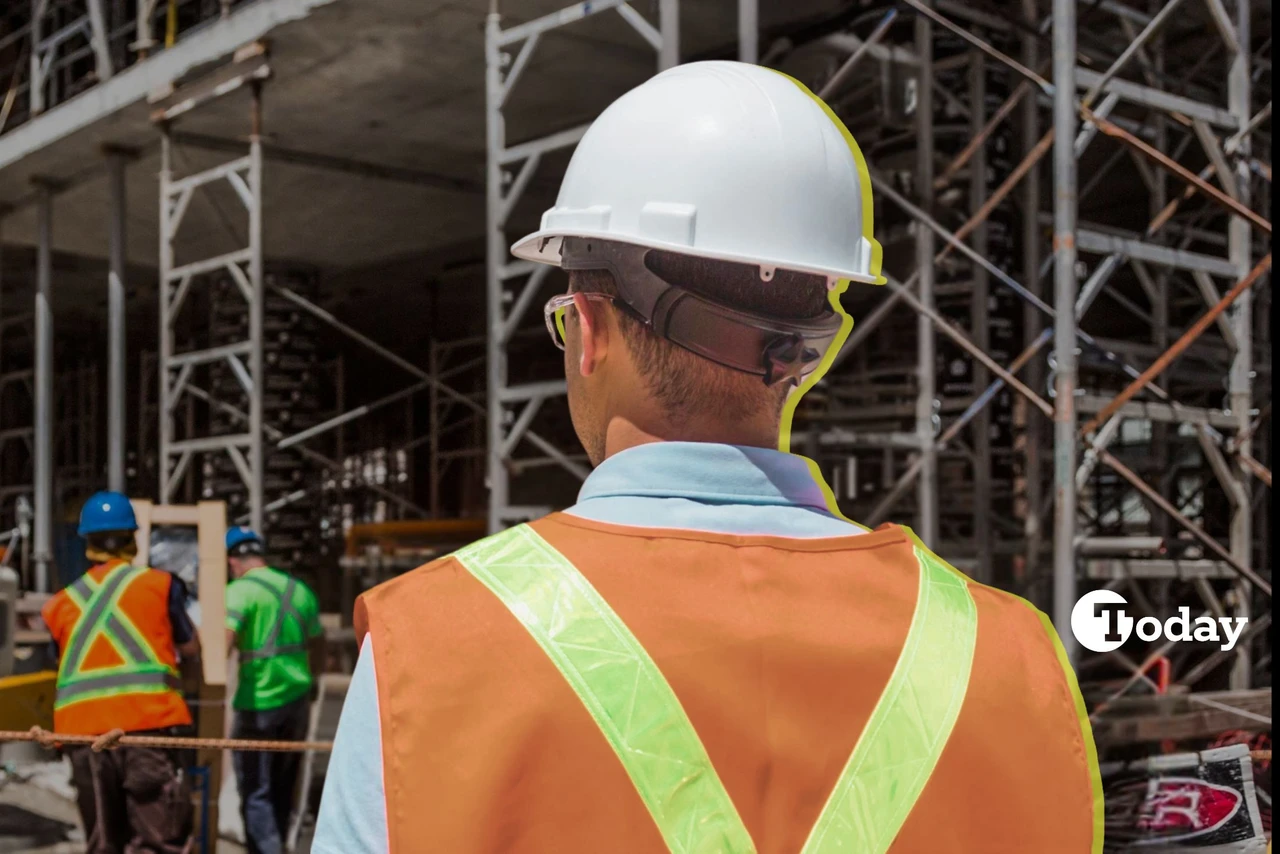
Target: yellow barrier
27	700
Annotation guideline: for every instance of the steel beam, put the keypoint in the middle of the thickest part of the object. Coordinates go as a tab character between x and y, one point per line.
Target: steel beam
1158	99
1096	241
1065	450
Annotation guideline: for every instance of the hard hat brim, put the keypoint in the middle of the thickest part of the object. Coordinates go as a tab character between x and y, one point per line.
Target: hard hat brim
543	247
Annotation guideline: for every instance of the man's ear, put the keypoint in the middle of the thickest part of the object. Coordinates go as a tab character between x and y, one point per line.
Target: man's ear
593	333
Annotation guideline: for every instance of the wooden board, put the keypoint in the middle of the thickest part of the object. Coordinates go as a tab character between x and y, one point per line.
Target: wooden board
1175	717
209	518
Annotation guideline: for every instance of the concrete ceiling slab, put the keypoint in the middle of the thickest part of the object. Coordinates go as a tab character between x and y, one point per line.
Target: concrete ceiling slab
395	83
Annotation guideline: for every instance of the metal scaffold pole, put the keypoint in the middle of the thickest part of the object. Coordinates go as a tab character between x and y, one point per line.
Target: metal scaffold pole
927	484
1064	277
1033	490
42	540
749	31
1239	251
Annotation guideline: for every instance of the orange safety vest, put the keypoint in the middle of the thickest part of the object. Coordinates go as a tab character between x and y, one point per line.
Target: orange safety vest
117	665
777	649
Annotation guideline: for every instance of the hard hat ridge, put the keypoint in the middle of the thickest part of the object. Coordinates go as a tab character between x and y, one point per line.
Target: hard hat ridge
721	160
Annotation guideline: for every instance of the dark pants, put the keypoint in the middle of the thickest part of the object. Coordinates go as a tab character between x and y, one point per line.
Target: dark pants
132	801
266	780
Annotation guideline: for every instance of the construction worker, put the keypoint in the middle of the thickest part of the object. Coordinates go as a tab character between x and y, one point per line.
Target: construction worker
273	620
119	630
702	654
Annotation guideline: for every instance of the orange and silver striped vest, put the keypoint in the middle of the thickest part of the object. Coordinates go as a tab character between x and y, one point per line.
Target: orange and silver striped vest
117	666
575	686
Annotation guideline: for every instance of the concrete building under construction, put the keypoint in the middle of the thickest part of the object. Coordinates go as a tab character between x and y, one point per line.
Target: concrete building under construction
256	251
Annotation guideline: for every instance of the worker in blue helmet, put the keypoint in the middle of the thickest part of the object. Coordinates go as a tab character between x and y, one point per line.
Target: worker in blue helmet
273	620
121	632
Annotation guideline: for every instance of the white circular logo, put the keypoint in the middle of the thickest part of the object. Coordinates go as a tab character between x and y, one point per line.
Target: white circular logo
1099	621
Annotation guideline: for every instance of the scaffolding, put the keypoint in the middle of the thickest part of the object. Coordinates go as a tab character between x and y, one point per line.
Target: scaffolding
243	266
1057	392
1099	502
513	407
1076	429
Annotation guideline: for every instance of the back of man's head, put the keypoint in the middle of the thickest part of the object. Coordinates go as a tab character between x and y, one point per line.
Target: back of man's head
687	386
102	546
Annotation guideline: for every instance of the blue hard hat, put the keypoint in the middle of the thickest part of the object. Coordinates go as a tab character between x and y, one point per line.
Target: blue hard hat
241	534
107	511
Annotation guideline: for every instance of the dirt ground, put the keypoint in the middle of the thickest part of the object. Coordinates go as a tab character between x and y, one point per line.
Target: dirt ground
35	810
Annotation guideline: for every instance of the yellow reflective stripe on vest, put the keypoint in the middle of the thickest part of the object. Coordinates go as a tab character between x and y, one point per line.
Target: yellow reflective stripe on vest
642	719
619	684
912	720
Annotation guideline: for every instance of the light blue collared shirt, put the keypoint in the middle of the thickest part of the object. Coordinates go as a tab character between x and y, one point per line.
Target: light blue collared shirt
723	489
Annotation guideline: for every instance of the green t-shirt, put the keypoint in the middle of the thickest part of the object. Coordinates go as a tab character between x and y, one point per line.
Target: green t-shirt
271	636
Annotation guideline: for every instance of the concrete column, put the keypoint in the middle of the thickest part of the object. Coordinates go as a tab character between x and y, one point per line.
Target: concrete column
115	327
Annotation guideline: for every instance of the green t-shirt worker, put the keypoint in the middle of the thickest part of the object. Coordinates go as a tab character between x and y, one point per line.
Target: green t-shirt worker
273	621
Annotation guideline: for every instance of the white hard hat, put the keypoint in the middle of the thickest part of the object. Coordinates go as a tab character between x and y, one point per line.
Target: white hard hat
722	160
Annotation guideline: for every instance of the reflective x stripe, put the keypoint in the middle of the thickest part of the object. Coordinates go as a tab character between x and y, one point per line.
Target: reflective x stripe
643	721
272	647
95	606
140	672
619	684
122	636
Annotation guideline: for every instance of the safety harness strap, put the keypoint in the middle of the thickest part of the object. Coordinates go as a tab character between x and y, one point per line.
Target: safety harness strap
619	684
643	720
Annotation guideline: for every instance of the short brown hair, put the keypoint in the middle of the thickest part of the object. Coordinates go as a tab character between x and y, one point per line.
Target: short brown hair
686	384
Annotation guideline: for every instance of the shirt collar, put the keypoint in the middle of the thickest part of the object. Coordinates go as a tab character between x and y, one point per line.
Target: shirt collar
707	472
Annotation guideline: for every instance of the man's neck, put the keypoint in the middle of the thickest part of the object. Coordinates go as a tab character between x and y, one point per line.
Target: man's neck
247	570
624	433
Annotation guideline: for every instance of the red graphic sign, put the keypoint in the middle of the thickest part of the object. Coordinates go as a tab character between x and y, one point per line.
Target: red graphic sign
1184	807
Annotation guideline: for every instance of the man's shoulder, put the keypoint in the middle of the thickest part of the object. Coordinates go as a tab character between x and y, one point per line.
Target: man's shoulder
434	573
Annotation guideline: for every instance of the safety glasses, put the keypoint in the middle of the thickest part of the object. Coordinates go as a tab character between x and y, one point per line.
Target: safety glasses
553	314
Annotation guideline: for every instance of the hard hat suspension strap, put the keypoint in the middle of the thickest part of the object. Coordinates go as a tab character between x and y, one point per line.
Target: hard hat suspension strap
775	349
